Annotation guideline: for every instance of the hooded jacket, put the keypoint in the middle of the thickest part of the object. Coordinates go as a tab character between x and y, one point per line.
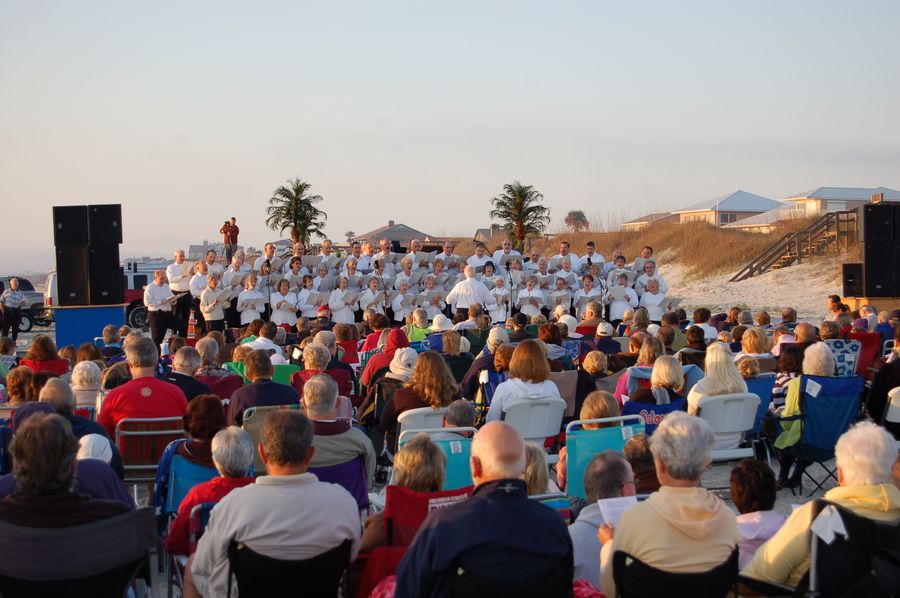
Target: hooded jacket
515	390
785	558
396	340
679	530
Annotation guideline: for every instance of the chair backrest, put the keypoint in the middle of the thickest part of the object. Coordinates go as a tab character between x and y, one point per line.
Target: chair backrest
567	384
828	406
365	356
259	575
254	417
636	579
582	445
862	562
351	475
586	332
846	355
624	343
55	366
457	450
871	347
184	475
557	581
891	413
424	418
6	414
94	559
283	372
886	348
651	413
693	357
557	501
477	339
405	510
762	386
731	413
692	375
141	442
638	378
535	419
222	386
197	524
86	412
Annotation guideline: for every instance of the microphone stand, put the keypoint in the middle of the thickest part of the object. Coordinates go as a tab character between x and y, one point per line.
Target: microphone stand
509	301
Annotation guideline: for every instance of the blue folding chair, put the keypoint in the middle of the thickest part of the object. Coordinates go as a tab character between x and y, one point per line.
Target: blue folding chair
827	408
184	475
846	355
582	445
458	473
692	375
762	386
651	413
635	375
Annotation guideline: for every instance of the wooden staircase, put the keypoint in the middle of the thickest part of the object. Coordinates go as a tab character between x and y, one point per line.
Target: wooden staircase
834	232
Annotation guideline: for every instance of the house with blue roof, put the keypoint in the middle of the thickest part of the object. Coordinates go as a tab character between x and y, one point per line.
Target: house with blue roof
727	209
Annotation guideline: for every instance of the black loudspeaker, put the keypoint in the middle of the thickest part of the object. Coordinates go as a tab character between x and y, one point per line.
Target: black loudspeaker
105	274
70	226
853	280
878	222
72	275
105	224
878	258
395	246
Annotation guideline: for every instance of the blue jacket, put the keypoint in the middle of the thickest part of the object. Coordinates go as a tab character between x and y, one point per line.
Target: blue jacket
498	533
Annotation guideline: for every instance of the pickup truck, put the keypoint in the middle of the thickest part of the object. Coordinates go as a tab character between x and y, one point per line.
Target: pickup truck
34	311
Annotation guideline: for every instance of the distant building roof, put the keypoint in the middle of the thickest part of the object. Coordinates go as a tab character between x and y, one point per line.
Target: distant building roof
846	194
767	218
393	231
649	218
739	201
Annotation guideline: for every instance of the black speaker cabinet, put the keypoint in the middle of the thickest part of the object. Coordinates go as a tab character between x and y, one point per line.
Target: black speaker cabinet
105	274
70	226
878	261
853	280
72	276
105	224
878	222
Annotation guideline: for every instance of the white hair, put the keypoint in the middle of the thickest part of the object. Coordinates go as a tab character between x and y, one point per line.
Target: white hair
469	271
187	359
87	375
316	356
58	394
684	443
327	338
208	349
866	454
818	360
667	373
320	395
232	452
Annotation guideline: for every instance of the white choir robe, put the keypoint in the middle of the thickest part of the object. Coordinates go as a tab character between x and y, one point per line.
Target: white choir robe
249	314
401	277
579	309
198	283
651	303
612	278
286	267
389	269
445	257
366	298
296	282
500	311
341	313
640	285
617	309
478	262
525	306
488	281
306	310
279	316
431	309
400	310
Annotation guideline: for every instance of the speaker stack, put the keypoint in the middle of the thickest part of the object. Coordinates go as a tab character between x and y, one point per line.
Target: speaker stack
877	275
87	240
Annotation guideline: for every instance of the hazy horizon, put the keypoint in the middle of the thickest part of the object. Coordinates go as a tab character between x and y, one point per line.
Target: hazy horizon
189	114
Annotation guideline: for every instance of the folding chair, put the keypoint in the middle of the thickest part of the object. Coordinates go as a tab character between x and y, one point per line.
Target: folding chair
477	339
586	332
730	414
424	418
582	445
636	579
364	357
651	413
827	408
405	510
695	357
846	355
283	373
6	414
86	412
567	385
557	501
350	475
141	442
871	347
254	417
624	343
536	420
177	562
457	474
100	558
555	582
487	383
223	386
692	375
184	475
886	348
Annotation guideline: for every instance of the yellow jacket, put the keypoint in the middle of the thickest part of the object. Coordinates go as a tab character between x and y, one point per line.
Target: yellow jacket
785	557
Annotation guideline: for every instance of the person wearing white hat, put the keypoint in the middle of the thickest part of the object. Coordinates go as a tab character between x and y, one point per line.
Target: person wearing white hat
605	342
95	446
571	323
440	323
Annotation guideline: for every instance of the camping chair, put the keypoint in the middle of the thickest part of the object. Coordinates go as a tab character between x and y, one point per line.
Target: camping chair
176	563
762	386
141	442
692	375
887	348
730	414
350	475
871	347
222	387
423	418
687	356
6	414
405	510
254	417
488	382
283	373
846	355
86	412
477	339
557	501
638	378
100	558
258	575
636	579
586	332
536	420
624	343
556	582
365	356
827	408
651	413
184	475
457	474
567	384
582	445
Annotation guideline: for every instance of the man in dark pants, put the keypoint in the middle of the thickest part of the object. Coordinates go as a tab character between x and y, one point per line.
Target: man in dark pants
11	303
158	299
179	274
230	232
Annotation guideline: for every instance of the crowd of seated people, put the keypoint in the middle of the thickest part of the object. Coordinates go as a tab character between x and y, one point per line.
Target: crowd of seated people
334	392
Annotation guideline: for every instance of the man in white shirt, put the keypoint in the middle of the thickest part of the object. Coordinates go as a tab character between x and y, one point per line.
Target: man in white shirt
480	258
365	263
451	260
388	269
266	342
469	291
591	257
297	250
565	252
213	266
198	283
532	264
268	255
415	246
242	260
179	276
157	300
505	249
288	514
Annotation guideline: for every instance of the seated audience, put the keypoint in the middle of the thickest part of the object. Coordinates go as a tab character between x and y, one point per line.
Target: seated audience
204	418
262	390
316	359
209	359
460	414
753	495
604	341
380	361
86	379
597	405
381	391
755	345
499	502
185	363
457	360
865	456
529	379
701	321
683	528
595	364
537	478
266	342
666	380
670	319
637	452
722	378
622	360
112	342
43	357
469	385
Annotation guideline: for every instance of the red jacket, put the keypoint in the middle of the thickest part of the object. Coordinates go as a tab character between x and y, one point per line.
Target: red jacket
396	340
230	231
212	491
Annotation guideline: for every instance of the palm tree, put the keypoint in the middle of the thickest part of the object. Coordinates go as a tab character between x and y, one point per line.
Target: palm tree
292	207
576	220
519	208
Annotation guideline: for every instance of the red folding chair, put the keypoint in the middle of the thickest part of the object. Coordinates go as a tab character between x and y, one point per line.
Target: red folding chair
141	443
222	386
871	349
405	510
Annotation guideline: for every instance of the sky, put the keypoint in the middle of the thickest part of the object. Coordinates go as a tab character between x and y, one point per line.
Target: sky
187	113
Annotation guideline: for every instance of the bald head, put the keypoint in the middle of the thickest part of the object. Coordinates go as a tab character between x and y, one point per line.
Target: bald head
469	272
805	333
498	453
